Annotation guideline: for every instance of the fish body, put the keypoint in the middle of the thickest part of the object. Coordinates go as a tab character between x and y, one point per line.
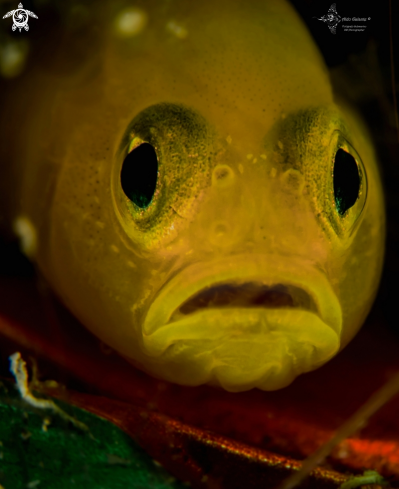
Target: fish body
196	193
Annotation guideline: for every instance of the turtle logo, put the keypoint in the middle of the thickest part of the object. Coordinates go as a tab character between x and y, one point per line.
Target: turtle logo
332	19
20	16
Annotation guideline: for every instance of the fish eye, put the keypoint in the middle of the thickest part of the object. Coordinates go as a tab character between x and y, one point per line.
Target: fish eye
139	174
346	181
160	170
347	187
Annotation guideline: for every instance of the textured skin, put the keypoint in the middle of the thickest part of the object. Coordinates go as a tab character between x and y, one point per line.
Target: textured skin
245	125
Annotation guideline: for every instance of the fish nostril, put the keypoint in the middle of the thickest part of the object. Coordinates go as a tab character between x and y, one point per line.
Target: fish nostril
220	229
222	176
294	180
220	234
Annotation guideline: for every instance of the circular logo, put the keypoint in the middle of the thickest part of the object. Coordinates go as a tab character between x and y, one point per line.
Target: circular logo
20	18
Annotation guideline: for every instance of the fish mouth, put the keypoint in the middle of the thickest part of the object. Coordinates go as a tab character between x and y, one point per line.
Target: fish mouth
246	295
244	317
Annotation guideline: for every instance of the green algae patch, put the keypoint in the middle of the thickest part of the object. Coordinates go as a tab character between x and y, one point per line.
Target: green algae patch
43	451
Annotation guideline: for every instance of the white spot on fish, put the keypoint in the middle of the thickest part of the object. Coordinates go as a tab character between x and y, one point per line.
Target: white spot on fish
130	22
27	235
176	29
12	58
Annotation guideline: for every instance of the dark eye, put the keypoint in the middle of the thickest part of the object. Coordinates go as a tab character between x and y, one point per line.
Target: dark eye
139	175
346	181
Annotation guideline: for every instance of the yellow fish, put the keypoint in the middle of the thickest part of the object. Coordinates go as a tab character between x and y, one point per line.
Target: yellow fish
195	192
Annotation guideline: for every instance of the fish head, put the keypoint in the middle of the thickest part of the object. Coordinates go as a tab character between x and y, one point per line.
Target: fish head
218	214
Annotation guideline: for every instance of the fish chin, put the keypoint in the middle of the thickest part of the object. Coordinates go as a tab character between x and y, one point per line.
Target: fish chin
239	349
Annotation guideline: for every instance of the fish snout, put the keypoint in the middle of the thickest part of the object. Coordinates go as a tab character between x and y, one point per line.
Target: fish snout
256	209
226	213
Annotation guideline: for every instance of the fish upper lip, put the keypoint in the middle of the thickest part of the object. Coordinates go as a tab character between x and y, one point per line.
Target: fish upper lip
267	269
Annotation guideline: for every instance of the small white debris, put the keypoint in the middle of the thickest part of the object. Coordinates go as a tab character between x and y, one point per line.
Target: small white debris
26	233
176	29
255	160
114	248
240	168
130	22
229	139
18	369
131	264
273	172
250	156
32	484
280	144
100	224
264	157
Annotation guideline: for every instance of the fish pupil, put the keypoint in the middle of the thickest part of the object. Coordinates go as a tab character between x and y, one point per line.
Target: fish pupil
139	175
346	181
